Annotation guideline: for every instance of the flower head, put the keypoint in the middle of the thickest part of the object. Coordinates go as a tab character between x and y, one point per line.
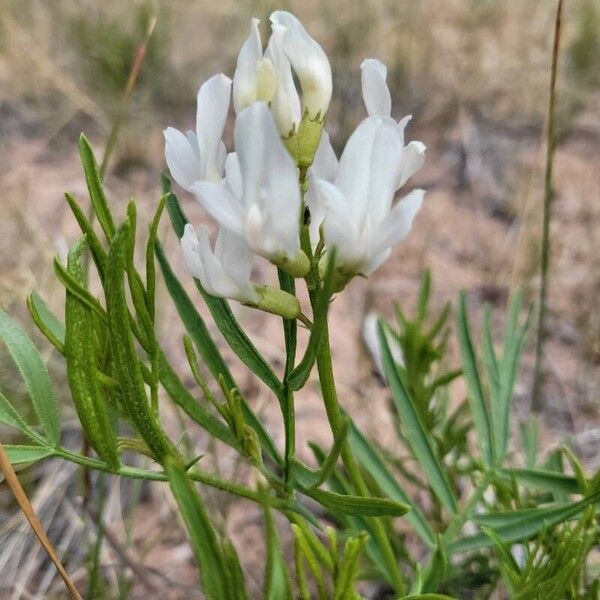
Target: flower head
201	155
259	200
360	221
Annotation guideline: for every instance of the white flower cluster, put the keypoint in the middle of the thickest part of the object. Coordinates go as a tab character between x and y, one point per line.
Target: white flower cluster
283	163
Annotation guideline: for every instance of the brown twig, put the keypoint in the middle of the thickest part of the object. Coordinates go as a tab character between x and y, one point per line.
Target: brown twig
25	505
537	402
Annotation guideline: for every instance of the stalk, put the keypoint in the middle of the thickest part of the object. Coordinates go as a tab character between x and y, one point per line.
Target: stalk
334	415
537	402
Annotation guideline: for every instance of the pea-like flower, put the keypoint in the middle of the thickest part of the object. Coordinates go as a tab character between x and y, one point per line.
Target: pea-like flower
378	102
225	271
254	78
308	60
201	155
259	199
360	221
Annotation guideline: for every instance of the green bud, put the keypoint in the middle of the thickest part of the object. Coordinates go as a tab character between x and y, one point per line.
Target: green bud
302	144
298	266
277	302
251	445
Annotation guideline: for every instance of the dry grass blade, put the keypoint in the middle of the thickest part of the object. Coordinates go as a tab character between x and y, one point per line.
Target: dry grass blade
21	497
129	87
537	403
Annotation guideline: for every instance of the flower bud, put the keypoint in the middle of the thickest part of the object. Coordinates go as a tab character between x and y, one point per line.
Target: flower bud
277	302
308	61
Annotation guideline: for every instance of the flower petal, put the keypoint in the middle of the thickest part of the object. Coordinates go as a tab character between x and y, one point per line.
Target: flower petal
285	104
400	220
245	76
219	202
235	257
211	116
309	61
376	94
413	158
182	157
190	248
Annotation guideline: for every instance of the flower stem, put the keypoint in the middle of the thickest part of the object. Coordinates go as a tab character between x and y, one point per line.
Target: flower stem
334	415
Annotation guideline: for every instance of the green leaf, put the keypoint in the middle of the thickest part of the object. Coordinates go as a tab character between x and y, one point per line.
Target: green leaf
78	289
437	567
371	460
358	505
331	459
46	322
150	268
300	374
95	187
416	434
10	416
530	434
513	344
222	315
479	408
198	331
80	354
98	251
344	584
125	359
35	375
522	524
548	481
427	597
202	535
277	581
19	455
424	293
237	584
198	413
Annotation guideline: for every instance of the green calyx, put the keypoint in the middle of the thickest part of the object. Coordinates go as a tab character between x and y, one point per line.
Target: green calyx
277	302
302	143
298	266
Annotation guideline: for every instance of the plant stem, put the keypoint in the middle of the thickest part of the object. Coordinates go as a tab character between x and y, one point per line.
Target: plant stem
537	402
334	415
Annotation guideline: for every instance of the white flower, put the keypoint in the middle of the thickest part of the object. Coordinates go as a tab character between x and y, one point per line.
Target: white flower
325	167
308	60
199	156
224	271
254	77
370	337
285	103
378	102
361	223
259	200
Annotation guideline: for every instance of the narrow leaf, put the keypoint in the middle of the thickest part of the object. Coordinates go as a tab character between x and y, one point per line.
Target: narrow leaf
19	455
277	581
10	416
46	322
125	359
80	354
479	408
373	462
202	535
358	505
416	434
35	375
95	187
521	524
